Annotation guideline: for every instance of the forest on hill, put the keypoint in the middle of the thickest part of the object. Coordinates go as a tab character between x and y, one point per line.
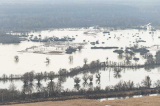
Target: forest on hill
15	16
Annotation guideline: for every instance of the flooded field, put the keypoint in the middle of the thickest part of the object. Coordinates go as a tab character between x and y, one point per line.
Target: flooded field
31	60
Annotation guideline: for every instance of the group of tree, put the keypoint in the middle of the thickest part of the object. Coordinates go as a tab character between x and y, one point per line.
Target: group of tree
55	89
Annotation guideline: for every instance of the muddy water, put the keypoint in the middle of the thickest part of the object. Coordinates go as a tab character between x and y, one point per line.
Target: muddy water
36	62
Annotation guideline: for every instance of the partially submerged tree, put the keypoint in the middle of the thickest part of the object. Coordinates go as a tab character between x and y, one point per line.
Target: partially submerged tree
70	58
150	59
128	58
16	58
85	78
77	80
147	82
51	75
47	60
85	61
107	60
80	47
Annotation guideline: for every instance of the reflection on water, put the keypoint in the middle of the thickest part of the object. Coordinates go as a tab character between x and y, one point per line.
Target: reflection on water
103	77
90	79
117	72
98	80
77	86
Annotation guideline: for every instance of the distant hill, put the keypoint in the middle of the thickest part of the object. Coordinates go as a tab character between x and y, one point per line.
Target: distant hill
40	14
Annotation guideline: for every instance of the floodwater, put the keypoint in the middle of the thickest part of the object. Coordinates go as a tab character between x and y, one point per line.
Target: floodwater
36	62
136	96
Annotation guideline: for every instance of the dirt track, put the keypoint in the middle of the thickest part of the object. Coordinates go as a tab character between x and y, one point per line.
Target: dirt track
144	101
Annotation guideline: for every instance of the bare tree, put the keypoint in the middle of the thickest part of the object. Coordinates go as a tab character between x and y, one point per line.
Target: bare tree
51	87
157	84
147	82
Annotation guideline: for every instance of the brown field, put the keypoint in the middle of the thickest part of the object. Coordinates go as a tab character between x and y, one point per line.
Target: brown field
143	101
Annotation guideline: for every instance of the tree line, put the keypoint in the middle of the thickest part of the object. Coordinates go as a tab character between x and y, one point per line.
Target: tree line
55	90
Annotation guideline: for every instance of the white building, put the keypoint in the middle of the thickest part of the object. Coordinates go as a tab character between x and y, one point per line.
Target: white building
149	27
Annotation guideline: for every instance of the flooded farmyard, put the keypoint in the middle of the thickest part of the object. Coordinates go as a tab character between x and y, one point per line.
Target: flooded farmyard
49	54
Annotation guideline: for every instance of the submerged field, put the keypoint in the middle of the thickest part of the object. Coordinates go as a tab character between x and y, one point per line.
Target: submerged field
33	54
108	61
